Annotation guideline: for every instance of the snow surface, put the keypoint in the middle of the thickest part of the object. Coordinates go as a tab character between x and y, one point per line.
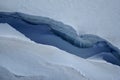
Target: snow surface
100	17
25	60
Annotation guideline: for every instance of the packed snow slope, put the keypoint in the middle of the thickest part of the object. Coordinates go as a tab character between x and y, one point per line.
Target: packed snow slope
50	32
100	17
26	60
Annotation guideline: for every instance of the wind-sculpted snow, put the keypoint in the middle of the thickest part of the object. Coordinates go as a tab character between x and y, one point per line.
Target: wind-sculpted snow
47	31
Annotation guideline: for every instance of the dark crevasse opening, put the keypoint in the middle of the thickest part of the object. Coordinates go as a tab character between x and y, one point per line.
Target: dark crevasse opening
44	33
